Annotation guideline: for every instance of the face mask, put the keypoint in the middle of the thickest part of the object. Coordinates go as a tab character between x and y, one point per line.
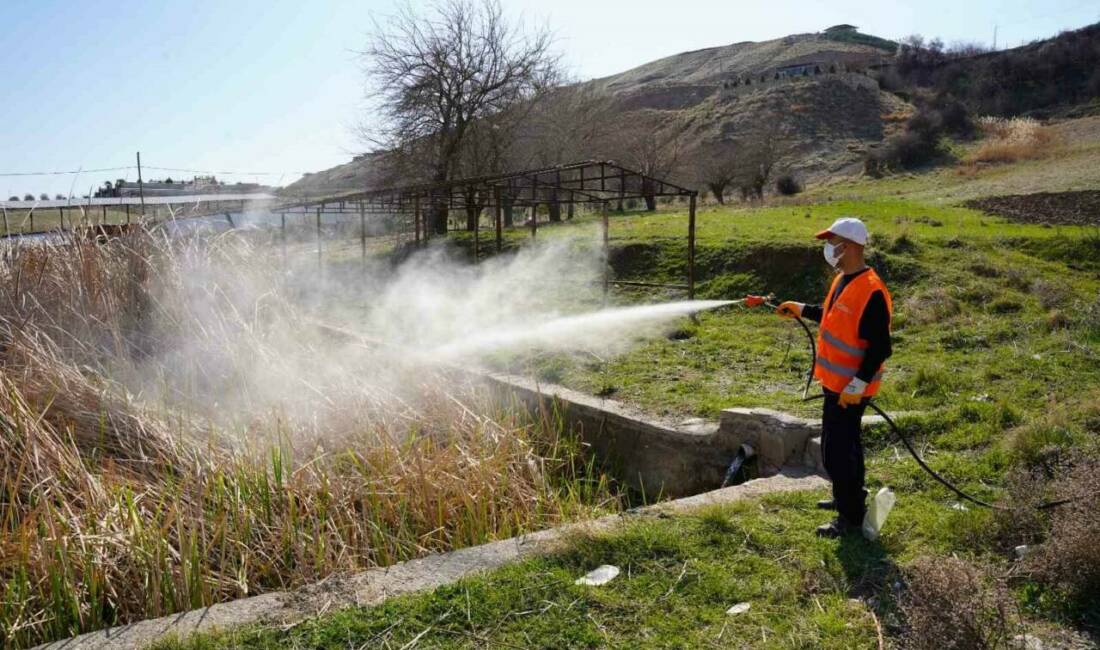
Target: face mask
832	254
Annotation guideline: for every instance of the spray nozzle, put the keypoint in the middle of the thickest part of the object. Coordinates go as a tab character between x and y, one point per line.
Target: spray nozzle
756	301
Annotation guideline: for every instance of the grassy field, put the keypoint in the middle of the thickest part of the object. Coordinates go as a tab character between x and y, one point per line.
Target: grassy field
987	310
997	343
23	221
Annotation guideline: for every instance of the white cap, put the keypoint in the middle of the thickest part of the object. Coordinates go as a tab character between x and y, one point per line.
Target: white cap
849	228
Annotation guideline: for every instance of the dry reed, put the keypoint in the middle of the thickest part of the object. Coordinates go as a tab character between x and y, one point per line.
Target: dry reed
1011	140
129	493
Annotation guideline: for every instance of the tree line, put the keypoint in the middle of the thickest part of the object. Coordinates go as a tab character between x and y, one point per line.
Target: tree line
459	90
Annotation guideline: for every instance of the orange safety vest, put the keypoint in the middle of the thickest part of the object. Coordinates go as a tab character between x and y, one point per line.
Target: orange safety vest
840	350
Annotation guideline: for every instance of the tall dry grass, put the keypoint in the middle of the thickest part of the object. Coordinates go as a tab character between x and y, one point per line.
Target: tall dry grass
1009	140
170	439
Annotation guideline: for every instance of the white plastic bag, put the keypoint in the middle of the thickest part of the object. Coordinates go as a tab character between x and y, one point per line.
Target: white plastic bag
599	576
877	513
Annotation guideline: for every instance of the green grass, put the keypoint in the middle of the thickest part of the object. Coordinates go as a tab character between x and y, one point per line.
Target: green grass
679	576
24	221
970	323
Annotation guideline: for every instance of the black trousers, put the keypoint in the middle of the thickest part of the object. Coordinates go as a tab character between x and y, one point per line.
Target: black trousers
842	451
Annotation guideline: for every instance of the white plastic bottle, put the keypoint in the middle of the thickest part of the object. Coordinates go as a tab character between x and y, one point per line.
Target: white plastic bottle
877	513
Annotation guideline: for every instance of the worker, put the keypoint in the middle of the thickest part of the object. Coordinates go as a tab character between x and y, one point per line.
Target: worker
853	341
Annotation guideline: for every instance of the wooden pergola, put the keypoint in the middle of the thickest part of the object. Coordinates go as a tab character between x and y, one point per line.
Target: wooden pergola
589	182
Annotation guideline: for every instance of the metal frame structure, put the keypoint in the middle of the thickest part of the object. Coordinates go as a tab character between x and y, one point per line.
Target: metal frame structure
591	182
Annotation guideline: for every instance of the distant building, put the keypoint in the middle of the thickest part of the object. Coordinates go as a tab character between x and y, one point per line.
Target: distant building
168	187
797	70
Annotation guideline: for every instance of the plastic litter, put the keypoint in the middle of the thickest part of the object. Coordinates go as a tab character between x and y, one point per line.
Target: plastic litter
601	575
877	513
739	608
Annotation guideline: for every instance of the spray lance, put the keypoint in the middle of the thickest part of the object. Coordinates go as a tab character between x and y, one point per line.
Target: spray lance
769	301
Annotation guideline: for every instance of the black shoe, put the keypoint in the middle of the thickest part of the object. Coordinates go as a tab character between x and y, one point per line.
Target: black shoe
835	528
826	504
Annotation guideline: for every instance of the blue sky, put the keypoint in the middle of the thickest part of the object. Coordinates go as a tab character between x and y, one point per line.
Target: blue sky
274	86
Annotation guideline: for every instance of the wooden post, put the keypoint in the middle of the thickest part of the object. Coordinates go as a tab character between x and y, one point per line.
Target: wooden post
61	215
282	219
416	219
363	232
31	215
141	186
497	217
534	206
7	231
691	247
319	237
477	234
103	219
606	249
127	214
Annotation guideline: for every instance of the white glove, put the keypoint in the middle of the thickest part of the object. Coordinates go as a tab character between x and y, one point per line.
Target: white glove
853	392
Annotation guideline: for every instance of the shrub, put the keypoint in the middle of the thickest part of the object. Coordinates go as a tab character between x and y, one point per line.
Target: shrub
1005	306
1050	295
904	151
1040	442
787	185
950	603
932	306
1069	560
919	143
1019	138
1017	519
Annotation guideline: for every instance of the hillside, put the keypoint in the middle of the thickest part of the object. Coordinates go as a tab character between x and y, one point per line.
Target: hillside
714	66
719	94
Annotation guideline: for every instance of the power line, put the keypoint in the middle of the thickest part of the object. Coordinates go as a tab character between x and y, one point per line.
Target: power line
162	169
224	173
61	173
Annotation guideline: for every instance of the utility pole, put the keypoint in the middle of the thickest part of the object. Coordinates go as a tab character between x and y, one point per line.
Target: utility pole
141	186
994	37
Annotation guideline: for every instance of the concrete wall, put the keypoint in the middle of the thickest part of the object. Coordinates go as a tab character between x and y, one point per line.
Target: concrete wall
673	459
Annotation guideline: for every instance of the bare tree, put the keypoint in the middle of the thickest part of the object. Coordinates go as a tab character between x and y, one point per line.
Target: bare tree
651	151
434	75
569	123
718	169
758	153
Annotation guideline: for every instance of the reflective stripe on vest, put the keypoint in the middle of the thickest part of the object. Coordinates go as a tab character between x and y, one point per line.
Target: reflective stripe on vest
840	348
843	370
855	352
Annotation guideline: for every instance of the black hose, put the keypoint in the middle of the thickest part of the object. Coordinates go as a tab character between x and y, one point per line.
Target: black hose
913	452
905	440
813	350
